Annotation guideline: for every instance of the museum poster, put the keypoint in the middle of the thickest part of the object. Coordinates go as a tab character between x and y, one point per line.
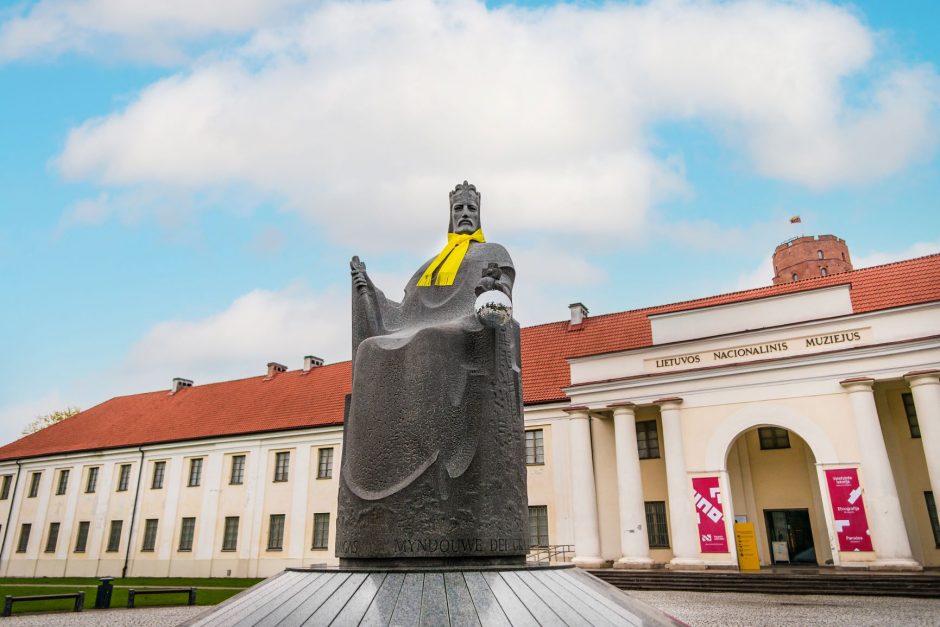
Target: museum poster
848	510
711	520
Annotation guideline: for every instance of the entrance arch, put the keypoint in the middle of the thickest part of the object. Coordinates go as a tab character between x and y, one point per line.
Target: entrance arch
716	453
774	485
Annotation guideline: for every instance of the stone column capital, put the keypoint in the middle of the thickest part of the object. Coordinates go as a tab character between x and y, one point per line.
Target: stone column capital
858	384
623	409
668	402
577	412
923	377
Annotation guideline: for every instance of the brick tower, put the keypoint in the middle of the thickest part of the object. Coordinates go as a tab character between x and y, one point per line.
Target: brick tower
810	256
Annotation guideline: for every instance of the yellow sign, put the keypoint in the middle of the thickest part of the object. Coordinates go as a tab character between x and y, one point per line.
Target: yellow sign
746	541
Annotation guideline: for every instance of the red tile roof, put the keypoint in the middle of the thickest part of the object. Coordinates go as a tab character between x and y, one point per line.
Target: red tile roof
295	400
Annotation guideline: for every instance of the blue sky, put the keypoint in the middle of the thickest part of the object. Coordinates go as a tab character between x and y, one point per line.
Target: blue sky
184	182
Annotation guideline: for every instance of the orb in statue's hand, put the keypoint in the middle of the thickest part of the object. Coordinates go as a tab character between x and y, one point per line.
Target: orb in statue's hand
494	309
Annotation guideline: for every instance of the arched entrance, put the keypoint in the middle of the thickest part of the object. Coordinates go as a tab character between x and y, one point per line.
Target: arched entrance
774	485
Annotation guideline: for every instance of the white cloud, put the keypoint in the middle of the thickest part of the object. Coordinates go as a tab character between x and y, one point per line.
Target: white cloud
15	416
258	327
761	276
137	29
361	115
877	258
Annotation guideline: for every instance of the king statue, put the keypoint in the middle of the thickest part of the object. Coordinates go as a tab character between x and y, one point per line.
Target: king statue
433	466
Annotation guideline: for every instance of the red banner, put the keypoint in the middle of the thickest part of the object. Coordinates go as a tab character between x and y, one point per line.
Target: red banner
711	520
848	510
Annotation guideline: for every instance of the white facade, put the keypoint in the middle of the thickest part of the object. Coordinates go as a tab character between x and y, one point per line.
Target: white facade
712	378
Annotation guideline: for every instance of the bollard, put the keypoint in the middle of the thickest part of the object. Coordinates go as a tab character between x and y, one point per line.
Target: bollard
103	597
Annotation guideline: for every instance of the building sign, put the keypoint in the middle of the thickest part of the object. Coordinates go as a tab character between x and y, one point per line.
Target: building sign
746	541
766	350
711	519
848	510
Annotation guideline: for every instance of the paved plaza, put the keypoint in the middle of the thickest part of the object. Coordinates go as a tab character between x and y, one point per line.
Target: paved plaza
698	609
728	609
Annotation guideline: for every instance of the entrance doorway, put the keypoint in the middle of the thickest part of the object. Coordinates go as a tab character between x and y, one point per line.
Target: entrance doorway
790	536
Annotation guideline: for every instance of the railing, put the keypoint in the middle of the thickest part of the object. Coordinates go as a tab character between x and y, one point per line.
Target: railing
550	553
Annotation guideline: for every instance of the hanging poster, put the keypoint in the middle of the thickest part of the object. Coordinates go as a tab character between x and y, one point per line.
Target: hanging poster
711	519
848	510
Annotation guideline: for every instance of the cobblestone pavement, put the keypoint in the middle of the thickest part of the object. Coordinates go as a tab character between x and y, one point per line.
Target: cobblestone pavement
726	609
143	617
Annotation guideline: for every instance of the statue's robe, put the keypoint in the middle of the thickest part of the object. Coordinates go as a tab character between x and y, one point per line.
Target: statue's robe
433	464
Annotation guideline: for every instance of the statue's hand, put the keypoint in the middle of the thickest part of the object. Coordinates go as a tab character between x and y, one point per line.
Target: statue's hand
359	277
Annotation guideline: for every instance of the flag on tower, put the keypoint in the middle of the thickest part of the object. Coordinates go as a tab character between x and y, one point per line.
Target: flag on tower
795	220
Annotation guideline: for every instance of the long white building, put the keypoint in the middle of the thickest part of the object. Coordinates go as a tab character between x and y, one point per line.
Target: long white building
810	408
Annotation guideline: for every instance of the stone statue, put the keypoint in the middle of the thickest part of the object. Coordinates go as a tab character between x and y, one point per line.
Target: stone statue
433	465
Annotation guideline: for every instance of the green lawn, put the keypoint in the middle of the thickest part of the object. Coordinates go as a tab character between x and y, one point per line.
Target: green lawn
205	595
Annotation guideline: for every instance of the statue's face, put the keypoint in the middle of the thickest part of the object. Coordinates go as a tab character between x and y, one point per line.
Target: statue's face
465	216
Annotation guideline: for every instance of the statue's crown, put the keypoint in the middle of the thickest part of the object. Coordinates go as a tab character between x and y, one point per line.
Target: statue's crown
465	192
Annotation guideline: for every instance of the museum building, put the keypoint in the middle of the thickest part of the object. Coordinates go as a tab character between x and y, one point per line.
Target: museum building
809	408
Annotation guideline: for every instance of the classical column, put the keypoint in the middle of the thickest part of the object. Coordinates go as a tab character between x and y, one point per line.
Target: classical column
583	494
925	387
634	542
682	519
889	536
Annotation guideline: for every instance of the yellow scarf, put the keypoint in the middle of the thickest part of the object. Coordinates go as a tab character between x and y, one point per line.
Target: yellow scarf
449	259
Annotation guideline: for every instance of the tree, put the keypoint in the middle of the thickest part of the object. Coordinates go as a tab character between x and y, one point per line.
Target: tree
47	420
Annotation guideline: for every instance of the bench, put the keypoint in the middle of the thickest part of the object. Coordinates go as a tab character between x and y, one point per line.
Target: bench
78	596
132	593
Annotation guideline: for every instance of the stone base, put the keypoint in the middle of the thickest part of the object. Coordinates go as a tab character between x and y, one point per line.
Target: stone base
535	594
895	565
631	563
589	562
685	563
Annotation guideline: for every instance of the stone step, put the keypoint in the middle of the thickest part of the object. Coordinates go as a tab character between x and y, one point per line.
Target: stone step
866	584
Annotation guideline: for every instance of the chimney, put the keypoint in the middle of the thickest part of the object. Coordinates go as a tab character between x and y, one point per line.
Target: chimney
179	384
275	368
579	314
311	362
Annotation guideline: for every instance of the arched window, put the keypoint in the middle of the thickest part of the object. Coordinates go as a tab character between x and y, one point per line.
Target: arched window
796	277
819	254
843	256
823	272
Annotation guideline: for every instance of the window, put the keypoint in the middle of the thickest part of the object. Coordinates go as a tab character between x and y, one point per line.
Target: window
150	534
911	413
823	272
63	482
819	254
124	477
934	521
159	472
647	439
281	465
773	437
92	483
25	528
34	484
538	525
534	447
276	532
796	277
5	489
230	537
321	531
656	530
114	536
195	472
53	538
187	530
238	470
325	464
81	540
